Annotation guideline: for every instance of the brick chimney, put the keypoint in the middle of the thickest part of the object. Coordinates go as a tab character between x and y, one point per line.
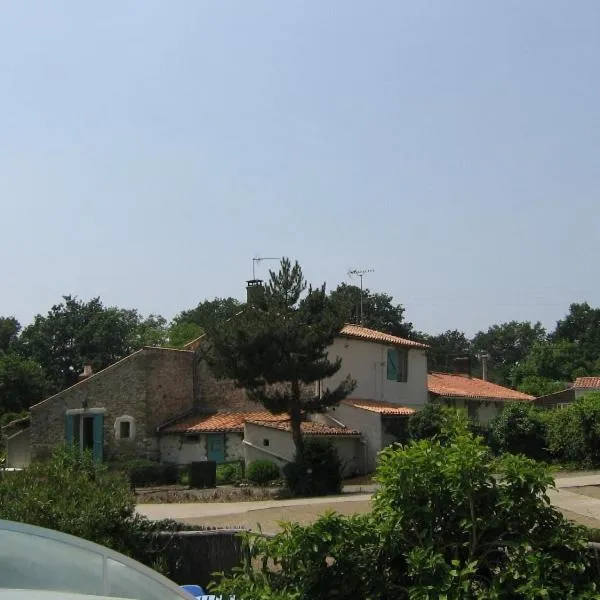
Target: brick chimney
254	292
87	372
462	366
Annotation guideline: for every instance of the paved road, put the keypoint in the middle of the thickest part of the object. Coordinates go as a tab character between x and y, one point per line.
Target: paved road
568	497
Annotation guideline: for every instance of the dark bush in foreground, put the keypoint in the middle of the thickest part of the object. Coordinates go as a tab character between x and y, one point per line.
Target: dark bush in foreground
262	472
449	521
317	471
143	472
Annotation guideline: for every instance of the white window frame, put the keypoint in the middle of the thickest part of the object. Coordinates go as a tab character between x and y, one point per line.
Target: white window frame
125	419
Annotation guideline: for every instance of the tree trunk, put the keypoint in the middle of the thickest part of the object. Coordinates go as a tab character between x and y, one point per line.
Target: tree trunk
296	418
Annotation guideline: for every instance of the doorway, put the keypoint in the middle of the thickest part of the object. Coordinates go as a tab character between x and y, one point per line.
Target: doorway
215	447
85	430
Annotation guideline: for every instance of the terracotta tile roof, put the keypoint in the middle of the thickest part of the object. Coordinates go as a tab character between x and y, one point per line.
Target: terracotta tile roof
223	422
309	428
460	386
377	406
588	383
370	335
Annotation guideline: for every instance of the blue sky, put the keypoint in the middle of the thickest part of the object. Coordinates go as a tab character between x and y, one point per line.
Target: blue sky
150	149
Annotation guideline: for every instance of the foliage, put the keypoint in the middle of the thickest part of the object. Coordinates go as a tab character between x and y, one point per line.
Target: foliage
427	422
559	360
262	472
75	333
9	332
520	429
22	383
507	344
142	472
540	386
230	473
208	314
182	333
277	349
574	431
449	521
73	494
379	311
315	471
445	347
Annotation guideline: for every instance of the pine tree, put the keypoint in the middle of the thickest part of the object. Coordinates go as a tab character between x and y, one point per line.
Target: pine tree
276	349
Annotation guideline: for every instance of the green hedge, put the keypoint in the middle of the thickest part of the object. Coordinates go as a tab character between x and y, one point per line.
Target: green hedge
143	472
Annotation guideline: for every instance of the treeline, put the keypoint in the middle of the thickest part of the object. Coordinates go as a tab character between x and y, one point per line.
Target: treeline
47	355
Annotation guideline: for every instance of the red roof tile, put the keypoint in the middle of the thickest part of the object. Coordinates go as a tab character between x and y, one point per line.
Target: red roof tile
370	335
309	428
589	383
377	406
223	422
460	386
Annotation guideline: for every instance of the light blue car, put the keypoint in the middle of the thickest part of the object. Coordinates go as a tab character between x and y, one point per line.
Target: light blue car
42	564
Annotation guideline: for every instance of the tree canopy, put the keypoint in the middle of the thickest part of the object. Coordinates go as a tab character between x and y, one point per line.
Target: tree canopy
277	347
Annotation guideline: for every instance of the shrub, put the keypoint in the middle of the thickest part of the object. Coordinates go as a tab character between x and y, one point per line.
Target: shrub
449	521
573	433
427	422
230	473
519	429
262	472
73	494
317	471
142	472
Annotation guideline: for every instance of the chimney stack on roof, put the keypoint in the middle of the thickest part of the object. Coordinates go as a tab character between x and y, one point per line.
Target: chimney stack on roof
462	366
255	292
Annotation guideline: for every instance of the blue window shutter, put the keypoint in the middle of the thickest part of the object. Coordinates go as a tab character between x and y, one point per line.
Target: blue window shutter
69	429
392	364
98	437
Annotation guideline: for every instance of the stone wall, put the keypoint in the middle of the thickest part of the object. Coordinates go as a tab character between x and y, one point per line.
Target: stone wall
151	386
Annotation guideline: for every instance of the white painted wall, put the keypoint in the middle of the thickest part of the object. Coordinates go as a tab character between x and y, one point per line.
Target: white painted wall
281	447
366	362
486	413
18	453
182	450
369	425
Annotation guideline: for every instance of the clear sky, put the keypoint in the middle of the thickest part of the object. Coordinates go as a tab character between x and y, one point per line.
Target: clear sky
150	149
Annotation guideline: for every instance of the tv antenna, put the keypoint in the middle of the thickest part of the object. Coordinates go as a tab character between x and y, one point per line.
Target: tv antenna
360	273
258	259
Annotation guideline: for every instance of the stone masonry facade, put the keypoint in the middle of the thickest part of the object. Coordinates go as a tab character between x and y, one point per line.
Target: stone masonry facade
152	386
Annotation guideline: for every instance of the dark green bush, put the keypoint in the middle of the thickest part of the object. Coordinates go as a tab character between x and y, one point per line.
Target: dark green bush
317	471
230	473
262	472
142	472
573	433
450	520
73	494
427	422
519	429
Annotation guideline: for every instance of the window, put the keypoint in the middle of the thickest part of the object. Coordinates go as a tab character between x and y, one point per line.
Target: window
125	428
397	364
265	442
472	410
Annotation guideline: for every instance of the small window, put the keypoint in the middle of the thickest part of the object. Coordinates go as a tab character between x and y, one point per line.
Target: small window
397	364
125	430
191	439
265	442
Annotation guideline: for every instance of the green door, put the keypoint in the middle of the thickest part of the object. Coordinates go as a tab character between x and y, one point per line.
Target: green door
215	445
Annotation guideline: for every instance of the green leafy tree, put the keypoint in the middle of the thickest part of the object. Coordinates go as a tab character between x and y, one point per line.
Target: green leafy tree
9	332
277	349
75	333
520	429
209	313
541	386
427	422
444	348
449	521
574	432
507	345
557	361
22	383
379	310
183	332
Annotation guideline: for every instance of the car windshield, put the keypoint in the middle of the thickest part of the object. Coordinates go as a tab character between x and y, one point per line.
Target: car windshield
33	558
